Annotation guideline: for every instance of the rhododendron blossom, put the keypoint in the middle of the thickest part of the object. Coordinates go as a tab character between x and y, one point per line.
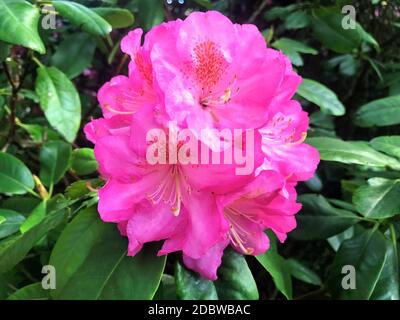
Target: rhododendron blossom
206	75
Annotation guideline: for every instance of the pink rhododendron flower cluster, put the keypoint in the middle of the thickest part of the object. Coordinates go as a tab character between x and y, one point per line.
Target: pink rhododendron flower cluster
201	73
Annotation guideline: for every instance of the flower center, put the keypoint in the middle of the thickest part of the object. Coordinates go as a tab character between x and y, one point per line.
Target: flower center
238	234
209	64
170	189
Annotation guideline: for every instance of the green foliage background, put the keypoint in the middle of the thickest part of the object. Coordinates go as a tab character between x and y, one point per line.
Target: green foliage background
351	208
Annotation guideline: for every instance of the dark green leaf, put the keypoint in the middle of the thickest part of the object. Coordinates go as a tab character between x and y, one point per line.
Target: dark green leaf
74	54
277	267
13	250
191	286
366	253
55	157
31	292
297	20
387	287
89	244
319	220
235	281
151	13
301	272
15	177
328	29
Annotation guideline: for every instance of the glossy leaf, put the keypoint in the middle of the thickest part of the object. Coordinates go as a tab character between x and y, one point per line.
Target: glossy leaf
277	267
83	17
351	152
318	219
14	249
387	287
235	281
36	216
301	272
83	161
88	244
381	112
387	144
19	24
55	157
59	101
322	96
116	17
379	199
15	177
10	222
191	286
366	253
328	29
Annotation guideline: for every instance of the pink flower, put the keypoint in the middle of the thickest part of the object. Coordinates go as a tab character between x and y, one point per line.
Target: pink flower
216	74
201	73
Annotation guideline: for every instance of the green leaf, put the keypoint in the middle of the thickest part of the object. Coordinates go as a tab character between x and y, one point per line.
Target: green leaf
55	157
280	12
297	20
151	13
116	17
83	161
277	267
30	292
379	199
35	217
89	244
387	287
367	37
381	112
10	224
19	24
13	250
80	189
15	177
322	96
292	48
327	26
336	240
387	144
74	54
59	101
366	253
301	272
351	152
83	17
235	281
167	288
318	219
191	286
